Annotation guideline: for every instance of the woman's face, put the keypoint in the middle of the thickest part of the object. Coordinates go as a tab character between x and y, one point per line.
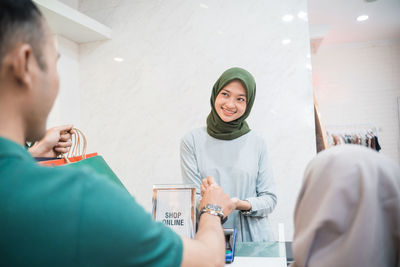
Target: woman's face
230	103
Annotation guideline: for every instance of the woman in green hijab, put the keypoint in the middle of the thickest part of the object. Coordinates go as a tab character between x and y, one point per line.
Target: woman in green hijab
234	155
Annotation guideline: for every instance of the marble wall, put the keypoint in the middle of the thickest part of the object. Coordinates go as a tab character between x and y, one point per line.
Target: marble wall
136	110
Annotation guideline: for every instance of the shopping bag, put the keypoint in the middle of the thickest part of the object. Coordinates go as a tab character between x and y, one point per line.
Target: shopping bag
63	160
77	158
76	153
98	165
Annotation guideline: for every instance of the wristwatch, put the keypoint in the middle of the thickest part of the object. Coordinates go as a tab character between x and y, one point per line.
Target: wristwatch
213	210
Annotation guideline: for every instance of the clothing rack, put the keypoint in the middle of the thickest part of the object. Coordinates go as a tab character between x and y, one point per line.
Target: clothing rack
362	134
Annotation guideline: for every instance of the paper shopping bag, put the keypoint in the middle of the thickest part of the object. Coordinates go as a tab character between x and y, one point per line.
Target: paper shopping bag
77	158
62	161
97	165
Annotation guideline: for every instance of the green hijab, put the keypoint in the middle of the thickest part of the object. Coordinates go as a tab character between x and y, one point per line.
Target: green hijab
216	127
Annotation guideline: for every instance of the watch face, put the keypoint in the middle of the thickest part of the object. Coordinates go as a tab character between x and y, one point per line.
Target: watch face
213	207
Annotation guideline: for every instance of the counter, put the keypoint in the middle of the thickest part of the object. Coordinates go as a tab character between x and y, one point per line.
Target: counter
254	254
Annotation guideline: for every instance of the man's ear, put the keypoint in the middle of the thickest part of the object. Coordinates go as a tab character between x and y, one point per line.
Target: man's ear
18	64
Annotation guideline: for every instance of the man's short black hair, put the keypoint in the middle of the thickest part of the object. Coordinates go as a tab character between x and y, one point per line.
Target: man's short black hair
21	21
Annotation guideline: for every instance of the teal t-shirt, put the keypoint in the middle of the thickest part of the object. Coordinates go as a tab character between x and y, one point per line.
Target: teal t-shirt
67	217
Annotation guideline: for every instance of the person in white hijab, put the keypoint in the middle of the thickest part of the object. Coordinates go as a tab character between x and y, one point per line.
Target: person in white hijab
348	210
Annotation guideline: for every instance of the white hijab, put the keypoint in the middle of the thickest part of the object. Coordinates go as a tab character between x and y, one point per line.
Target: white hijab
348	210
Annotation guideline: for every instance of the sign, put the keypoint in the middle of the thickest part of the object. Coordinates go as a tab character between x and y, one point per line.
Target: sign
175	206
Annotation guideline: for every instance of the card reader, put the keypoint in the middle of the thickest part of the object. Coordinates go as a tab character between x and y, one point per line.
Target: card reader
230	239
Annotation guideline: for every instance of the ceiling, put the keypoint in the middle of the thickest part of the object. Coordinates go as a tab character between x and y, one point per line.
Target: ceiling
334	22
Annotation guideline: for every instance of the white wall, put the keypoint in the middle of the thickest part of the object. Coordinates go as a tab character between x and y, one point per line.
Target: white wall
135	112
359	84
66	109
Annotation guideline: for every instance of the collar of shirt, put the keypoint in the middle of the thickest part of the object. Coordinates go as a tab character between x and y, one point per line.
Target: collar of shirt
9	149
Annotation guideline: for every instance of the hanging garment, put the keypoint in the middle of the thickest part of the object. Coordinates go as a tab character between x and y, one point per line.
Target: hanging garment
377	146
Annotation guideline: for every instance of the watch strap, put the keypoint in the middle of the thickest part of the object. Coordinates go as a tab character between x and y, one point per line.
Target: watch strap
213	210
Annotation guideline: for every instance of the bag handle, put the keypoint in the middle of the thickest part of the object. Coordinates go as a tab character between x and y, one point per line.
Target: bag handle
78	140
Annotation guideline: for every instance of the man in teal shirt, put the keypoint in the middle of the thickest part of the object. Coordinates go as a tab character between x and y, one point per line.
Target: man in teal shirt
65	217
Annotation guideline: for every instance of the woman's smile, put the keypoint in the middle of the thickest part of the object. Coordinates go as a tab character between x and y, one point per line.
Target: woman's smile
230	103
227	112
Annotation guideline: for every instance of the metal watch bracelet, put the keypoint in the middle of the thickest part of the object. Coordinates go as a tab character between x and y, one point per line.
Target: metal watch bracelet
213	210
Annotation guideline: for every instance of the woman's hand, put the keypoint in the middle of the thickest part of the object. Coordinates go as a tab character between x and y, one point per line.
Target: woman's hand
241	204
208	185
235	201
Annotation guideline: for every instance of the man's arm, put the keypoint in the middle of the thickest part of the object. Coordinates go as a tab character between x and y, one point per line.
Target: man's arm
208	246
239	204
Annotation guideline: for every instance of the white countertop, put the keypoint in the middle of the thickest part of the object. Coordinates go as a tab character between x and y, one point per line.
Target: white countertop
258	262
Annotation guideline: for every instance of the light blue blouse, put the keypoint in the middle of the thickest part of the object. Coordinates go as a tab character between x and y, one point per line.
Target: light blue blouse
242	169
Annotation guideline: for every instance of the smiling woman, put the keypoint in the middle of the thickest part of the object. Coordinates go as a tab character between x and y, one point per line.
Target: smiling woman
229	91
234	156
230	103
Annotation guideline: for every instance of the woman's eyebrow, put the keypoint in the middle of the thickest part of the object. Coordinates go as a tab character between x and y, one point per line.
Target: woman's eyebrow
230	92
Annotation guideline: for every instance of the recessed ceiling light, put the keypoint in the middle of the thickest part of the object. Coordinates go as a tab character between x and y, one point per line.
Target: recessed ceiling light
203	6
287	17
286	41
362	18
118	59
302	15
